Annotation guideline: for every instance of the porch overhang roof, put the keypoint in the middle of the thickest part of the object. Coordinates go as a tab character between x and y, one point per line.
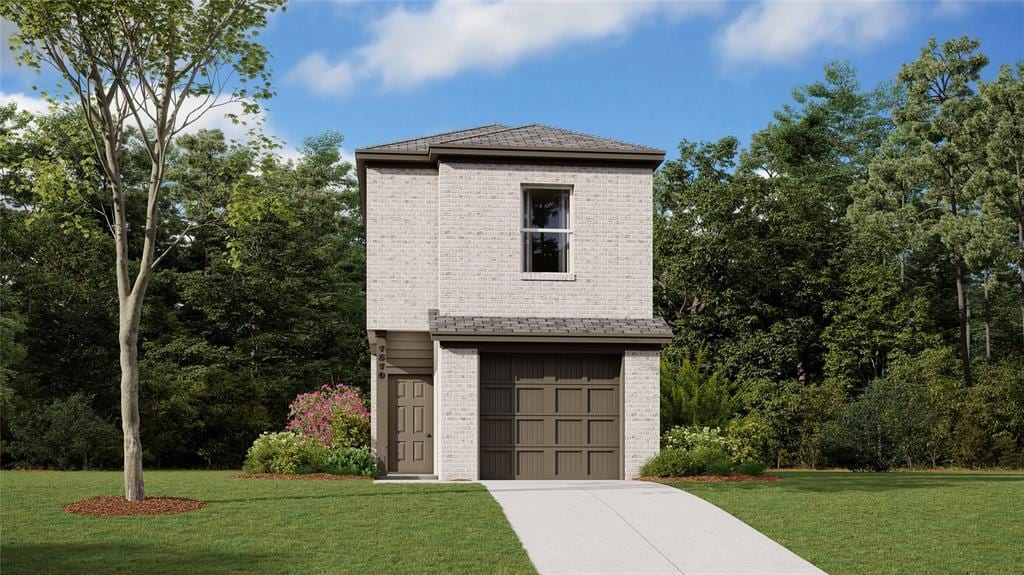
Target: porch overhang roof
454	328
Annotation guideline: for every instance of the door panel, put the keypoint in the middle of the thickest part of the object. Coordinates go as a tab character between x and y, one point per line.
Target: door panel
550	416
411	424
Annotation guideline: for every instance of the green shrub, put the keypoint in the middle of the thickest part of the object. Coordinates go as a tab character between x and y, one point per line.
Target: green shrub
66	434
750	468
282	452
313	458
710	460
673	462
350	430
740	444
668	463
352	461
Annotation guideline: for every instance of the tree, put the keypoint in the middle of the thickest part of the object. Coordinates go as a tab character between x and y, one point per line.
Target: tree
998	130
158	70
940	100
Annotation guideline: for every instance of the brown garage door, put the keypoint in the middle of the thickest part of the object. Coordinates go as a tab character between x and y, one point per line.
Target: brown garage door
550	416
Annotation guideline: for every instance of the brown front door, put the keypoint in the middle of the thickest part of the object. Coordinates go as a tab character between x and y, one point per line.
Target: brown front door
548	416
411	423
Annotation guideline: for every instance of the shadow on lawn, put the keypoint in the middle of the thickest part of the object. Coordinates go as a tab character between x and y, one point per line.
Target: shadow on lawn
77	558
374	492
826	482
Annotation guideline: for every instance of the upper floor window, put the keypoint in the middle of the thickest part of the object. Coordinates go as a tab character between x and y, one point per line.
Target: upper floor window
547	229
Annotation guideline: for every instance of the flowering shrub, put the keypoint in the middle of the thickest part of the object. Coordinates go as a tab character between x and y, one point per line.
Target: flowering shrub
311	414
737	445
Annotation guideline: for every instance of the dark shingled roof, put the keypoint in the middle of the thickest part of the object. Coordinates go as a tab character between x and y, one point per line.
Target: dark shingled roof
532	136
422	144
453	325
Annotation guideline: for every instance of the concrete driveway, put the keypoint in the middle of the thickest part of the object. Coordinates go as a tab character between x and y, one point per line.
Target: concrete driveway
634	527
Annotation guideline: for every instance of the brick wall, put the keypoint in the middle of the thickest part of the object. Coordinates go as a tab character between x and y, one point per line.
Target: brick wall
480	251
456	399
401	247
641	411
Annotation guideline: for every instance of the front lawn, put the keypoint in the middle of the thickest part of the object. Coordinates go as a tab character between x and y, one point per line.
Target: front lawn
255	526
955	522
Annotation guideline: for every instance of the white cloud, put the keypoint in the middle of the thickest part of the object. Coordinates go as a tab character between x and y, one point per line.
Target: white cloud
321	76
409	47
780	31
25	102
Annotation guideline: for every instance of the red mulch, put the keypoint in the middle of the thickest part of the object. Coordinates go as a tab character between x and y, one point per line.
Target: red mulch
714	478
116	506
299	476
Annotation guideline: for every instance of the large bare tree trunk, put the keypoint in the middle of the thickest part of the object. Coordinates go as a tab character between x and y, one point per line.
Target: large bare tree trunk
128	338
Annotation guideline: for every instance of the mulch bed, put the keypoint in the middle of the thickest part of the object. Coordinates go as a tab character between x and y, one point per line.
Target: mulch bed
300	476
117	506
714	478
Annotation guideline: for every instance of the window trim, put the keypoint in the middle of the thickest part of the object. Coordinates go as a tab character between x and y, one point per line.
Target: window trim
570	272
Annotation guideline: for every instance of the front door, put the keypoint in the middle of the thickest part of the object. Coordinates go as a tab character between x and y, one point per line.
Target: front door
411	424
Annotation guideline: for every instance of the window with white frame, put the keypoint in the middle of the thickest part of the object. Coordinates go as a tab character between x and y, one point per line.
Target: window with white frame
547	229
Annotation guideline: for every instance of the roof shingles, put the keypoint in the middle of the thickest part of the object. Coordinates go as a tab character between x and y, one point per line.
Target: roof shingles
532	136
452	325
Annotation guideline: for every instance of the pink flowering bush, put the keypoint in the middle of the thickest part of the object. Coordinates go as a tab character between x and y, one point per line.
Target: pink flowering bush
311	414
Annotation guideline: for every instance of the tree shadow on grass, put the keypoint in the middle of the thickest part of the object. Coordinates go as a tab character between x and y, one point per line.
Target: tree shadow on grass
101	558
375	492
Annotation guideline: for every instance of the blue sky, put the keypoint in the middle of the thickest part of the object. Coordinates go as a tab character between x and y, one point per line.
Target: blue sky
648	72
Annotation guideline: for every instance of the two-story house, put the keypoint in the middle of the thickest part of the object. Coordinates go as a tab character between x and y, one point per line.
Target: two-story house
509	312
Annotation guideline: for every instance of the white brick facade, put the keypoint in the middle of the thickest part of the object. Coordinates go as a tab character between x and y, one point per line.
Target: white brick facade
457	404
480	245
642	409
401	247
448	238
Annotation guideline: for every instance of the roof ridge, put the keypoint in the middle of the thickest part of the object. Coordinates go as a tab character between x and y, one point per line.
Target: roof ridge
595	136
505	129
503	126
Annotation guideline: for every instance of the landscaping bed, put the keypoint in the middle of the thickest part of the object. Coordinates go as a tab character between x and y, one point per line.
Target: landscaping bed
712	478
118	506
300	476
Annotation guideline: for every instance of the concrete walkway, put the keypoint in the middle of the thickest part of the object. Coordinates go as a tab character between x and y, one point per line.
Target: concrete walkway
635	527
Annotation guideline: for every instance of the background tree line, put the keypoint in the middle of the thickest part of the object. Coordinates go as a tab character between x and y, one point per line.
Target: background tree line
846	290
243	315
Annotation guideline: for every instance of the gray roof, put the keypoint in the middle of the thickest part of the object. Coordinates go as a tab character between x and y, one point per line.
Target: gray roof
532	136
484	326
422	144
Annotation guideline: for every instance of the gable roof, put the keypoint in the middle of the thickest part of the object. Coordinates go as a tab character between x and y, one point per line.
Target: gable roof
532	142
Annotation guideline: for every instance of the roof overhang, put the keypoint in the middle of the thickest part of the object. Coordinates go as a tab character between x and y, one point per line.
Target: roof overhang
501	329
437	152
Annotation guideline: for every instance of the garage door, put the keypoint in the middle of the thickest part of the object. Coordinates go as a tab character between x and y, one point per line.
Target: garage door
550	416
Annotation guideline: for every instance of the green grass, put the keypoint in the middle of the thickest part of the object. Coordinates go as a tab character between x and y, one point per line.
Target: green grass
255	526
906	523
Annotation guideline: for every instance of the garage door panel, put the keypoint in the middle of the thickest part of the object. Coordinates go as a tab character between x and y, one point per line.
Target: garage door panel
602	401
498	463
603	432
570	465
552	417
530	400
496	400
569	432
496	431
570	400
